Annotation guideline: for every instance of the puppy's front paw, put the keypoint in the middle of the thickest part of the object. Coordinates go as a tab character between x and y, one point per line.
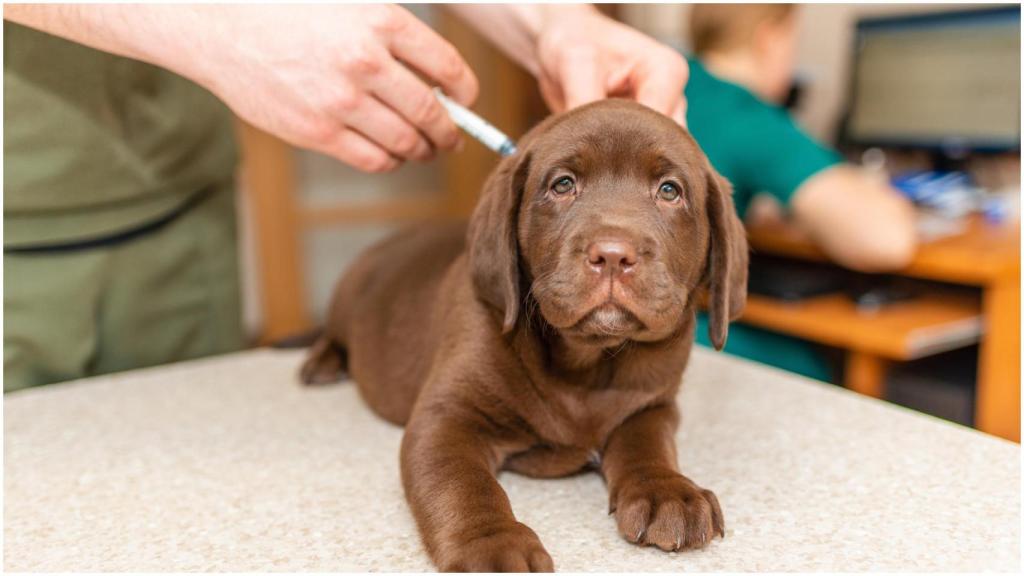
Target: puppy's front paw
665	509
511	548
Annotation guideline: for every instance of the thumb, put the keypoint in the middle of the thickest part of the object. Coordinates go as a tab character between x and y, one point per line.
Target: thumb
552	94
582	80
679	113
661	86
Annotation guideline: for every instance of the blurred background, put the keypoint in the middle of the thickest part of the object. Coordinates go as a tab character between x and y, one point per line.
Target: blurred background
927	96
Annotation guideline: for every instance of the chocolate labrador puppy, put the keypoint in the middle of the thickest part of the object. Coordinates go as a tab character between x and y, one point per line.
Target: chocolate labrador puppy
550	336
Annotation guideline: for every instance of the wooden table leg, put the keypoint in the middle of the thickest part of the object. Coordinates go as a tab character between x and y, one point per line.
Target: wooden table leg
865	373
997	400
269	173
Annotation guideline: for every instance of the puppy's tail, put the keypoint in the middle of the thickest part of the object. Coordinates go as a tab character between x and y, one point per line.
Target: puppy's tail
326	362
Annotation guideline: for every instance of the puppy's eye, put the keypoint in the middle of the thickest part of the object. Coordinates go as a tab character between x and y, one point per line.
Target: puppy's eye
563	186
668	192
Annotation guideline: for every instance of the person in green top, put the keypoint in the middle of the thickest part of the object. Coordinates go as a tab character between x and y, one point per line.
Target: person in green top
119	219
741	69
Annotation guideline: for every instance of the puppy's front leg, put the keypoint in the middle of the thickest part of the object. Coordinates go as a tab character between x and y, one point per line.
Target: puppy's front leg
653	503
464	516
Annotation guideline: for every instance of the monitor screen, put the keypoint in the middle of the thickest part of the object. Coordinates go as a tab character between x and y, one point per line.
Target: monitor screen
947	80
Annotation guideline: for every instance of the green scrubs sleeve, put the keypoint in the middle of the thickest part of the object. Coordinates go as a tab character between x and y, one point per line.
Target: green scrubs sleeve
754	144
778	157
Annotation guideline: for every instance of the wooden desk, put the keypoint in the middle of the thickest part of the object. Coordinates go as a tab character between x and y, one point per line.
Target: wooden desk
984	255
926	325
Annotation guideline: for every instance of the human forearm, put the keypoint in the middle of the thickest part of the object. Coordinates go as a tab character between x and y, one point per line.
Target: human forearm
516	28
339	79
859	221
143	32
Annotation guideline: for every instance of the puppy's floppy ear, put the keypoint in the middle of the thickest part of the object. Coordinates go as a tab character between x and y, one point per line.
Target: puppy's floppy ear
493	241
727	262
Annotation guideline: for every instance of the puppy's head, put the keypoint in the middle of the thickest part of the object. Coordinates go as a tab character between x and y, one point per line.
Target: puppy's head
610	219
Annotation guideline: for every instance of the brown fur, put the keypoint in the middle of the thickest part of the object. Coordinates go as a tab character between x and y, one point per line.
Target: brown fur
510	345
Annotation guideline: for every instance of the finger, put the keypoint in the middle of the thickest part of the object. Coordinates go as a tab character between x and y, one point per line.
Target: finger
660	93
661	87
551	94
581	79
679	113
407	95
420	47
357	151
389	131
618	84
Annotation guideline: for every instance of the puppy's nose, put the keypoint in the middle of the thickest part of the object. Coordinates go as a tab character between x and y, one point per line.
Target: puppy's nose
611	256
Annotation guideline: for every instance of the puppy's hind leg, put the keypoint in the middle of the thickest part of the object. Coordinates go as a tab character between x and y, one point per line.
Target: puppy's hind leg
326	363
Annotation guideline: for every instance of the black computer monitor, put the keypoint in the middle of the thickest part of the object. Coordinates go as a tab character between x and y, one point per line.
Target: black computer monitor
941	81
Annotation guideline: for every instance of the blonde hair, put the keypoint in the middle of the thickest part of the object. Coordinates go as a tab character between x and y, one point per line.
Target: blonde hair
718	27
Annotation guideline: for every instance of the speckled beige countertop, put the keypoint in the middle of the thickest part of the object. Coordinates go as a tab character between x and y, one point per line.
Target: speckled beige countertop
228	464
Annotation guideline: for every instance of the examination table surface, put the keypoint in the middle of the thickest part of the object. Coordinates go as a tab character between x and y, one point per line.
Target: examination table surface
228	463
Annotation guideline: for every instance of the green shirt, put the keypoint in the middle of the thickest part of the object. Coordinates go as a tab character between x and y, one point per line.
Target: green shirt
97	144
756	145
759	149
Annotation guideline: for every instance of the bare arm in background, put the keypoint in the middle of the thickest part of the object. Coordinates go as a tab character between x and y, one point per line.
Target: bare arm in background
338	79
579	55
858	220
